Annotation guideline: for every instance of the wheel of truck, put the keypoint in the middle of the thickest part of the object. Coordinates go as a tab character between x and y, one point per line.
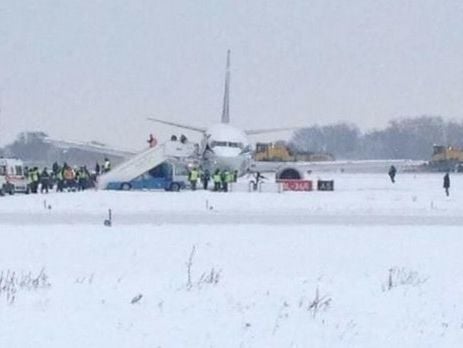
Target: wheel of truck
126	186
174	187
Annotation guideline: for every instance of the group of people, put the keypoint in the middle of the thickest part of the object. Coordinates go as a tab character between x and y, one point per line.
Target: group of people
220	178
446	185
152	141
65	177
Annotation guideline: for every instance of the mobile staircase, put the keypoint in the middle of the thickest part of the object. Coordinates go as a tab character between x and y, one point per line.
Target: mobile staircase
149	159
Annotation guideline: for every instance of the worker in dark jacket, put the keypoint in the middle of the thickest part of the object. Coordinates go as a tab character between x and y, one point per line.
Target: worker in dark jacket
55	168
258	178
205	177
392	172
447	183
84	176
44	180
235	176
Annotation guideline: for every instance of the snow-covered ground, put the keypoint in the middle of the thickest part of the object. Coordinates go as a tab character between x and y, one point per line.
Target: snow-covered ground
371	264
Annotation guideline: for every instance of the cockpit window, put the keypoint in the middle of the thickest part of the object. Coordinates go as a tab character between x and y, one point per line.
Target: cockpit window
226	144
218	143
238	145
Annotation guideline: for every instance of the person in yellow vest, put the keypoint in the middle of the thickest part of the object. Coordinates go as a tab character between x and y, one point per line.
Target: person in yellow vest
60	180
193	177
217	178
34	175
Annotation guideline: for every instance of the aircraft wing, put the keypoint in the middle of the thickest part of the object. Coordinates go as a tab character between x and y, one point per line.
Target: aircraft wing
90	146
269	130
179	125
347	166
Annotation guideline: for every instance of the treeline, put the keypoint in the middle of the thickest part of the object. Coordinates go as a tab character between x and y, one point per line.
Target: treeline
409	138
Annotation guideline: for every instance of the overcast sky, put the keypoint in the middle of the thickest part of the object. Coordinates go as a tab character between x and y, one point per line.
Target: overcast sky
96	69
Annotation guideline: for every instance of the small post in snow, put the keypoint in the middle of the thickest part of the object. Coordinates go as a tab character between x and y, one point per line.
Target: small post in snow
109	221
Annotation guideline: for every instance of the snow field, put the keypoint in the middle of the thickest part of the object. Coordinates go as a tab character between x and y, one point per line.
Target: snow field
379	284
355	194
268	280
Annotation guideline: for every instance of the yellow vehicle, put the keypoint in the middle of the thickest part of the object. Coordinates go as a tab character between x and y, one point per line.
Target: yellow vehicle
273	152
446	153
446	158
279	152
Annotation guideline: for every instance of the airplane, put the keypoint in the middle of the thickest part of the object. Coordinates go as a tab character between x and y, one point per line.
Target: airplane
224	146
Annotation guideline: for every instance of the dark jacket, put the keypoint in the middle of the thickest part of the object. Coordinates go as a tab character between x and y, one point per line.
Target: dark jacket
446	181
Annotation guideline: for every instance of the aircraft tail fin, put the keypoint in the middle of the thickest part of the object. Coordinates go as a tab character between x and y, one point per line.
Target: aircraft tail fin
226	96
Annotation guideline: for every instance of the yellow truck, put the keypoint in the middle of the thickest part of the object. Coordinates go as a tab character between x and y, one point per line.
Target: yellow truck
273	152
280	152
446	158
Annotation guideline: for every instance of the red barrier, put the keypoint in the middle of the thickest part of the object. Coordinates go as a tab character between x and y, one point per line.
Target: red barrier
296	185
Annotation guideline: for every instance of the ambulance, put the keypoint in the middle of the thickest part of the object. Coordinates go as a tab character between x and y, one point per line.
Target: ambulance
13	177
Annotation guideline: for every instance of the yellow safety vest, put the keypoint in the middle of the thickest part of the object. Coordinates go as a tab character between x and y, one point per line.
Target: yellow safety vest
217	178
194	175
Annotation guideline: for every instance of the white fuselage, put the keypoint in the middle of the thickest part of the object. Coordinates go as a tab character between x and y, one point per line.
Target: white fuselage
226	147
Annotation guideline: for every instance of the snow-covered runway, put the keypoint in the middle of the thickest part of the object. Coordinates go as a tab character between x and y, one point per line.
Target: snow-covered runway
371	264
206	219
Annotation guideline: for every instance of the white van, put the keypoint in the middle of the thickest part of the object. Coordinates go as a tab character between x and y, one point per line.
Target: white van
12	176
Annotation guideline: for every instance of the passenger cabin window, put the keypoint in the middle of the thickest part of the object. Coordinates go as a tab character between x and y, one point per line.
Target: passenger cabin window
2	170
19	170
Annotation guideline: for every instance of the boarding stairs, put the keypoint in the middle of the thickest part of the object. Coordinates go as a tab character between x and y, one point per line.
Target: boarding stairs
147	160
